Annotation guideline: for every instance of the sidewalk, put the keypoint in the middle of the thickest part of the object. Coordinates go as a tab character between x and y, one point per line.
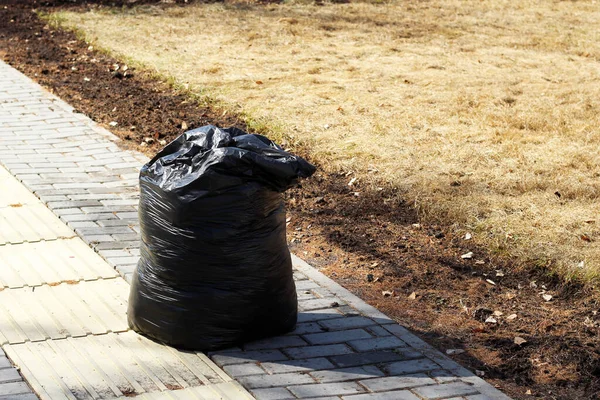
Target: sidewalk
342	348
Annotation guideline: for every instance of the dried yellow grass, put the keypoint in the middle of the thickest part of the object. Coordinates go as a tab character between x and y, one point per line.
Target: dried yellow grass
480	111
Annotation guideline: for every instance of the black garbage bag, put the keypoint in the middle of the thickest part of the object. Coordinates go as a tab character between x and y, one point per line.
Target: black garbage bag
215	270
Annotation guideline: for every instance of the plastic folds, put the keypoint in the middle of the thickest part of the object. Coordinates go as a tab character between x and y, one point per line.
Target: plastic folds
215	270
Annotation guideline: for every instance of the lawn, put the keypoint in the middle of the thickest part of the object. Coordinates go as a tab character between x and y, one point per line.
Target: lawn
485	114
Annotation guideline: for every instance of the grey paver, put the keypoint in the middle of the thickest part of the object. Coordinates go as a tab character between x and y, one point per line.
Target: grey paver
410	366
445	391
347	323
337	337
390	383
394	395
318	351
308	364
380	343
13	388
239	357
347	374
275	343
326	389
264	381
354	359
243	369
278	393
9	375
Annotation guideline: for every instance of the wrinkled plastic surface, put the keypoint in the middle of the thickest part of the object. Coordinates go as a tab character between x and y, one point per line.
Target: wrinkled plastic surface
215	270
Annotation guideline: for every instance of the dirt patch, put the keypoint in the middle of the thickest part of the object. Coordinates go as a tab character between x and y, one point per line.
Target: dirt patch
368	240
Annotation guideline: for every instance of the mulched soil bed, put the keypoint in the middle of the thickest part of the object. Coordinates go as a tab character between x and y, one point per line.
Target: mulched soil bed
372	243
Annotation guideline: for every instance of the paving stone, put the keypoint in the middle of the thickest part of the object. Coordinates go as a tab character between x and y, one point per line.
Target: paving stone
101	230
478	397
347	374
376	357
347	323
239	357
275	343
316	304
396	382
24	396
395	395
445	391
13	388
317	315
306	285
336	337
9	375
326	389
309	364
318	351
278	393
237	370
380	343
87	217
264	381
307	327
443	376
4	363
377	330
409	367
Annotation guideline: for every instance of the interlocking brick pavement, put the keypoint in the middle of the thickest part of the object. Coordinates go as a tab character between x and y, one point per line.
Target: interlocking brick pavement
342	348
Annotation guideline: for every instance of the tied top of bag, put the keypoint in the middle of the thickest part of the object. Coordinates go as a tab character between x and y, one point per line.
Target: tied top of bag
214	159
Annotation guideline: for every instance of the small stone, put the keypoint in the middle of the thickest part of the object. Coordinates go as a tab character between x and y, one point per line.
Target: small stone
511	317
491	320
547	297
519	340
454	351
113	123
467	256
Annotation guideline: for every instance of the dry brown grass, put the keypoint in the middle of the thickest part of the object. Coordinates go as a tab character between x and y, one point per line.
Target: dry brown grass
479	110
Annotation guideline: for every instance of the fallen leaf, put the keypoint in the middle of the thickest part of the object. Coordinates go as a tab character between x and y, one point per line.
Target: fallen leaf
387	293
412	296
479	262
519	340
16	205
491	282
491	320
113	123
498	313
162	142
468	236
352	181
581	264
259	82
86	79
184	125
511	317
510	296
499	273
374	265
547	297
467	256
586	238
